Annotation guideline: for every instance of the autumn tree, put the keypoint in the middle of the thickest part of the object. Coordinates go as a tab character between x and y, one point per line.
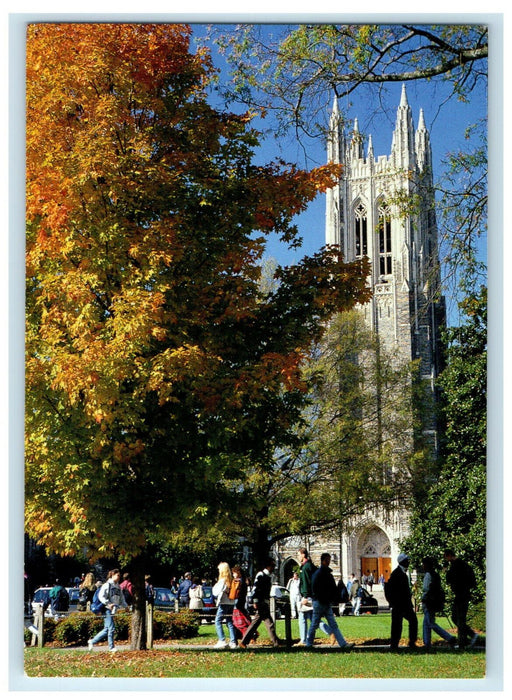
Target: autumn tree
156	367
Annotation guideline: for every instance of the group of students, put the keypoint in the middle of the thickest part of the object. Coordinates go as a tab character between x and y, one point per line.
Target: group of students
318	590
460	578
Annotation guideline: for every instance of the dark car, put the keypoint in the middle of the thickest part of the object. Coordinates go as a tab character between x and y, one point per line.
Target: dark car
281	596
164	599
369	604
74	594
209	605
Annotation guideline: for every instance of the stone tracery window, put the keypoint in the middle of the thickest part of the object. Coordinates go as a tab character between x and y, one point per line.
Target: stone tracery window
361	222
385	263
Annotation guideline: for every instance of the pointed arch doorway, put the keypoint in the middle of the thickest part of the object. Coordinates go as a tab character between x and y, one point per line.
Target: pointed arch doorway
375	553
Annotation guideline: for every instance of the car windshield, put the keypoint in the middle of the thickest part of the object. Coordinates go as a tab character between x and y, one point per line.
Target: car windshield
164	596
40	596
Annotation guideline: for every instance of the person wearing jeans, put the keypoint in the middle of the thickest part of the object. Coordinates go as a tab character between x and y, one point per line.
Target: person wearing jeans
325	592
221	591
112	598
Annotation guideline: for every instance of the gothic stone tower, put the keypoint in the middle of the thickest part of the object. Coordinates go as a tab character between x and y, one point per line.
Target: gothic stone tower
382	208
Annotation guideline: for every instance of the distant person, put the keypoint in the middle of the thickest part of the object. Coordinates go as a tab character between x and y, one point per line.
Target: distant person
399	596
112	597
127	588
59	599
354	596
371	581
149	591
461	579
184	590
325	592
261	602
293	588
433	602
196	594
225	605
86	592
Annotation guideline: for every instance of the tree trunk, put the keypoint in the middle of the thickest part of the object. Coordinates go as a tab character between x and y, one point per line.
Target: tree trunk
138	623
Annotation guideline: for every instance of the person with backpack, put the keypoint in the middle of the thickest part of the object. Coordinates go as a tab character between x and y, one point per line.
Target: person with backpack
107	599
461	579
433	600
399	596
127	588
59	599
86	592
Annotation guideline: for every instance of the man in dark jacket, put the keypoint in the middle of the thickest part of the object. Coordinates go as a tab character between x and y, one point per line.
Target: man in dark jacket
461	579
399	596
59	598
261	602
325	592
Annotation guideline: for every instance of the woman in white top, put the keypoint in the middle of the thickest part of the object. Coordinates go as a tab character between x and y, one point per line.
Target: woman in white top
225	607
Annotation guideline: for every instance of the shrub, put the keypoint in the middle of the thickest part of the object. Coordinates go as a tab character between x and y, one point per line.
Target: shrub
181	625
77	627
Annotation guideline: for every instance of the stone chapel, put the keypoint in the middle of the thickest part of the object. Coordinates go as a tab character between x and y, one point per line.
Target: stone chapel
363	218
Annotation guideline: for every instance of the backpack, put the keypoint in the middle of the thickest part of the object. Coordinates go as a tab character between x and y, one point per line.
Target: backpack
97	607
389	591
60	600
234	589
343	591
83	597
435	598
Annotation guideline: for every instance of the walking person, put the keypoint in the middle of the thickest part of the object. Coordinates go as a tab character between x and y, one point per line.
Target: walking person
127	588
356	596
325	592
225	607
306	571
261	602
461	579
111	595
59	599
86	592
241	618
399	596
433	602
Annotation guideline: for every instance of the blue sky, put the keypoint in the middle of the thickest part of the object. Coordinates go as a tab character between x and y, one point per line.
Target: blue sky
446	121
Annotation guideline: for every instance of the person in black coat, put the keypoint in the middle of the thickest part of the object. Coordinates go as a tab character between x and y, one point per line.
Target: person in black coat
399	596
261	602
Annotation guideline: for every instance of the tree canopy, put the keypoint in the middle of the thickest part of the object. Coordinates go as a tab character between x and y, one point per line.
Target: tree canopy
156	367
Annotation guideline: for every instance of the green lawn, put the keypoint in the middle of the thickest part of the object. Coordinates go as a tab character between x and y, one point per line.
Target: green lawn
324	662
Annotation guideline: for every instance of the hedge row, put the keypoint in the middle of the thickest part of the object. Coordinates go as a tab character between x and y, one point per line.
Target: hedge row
78	627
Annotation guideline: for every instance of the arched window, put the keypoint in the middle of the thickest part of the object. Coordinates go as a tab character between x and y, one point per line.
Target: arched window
361	231
385	266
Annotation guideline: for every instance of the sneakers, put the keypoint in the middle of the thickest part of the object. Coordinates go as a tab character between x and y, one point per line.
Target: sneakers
221	644
33	629
474	640
348	646
90	644
233	645
113	650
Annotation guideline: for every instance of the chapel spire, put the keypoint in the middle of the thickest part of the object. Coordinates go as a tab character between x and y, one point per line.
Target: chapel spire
402	148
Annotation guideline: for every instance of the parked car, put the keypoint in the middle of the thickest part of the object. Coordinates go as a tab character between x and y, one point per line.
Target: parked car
74	594
281	595
42	597
164	599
